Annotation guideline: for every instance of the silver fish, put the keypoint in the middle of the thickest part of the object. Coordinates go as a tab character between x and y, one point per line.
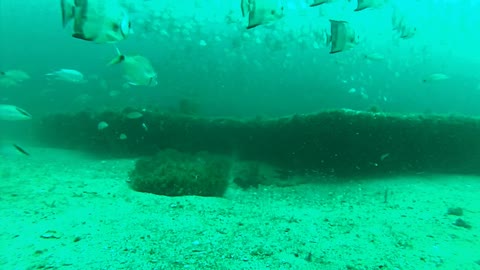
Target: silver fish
262	11
134	115
11	78
13	113
68	75
99	21
374	56
402	25
435	77
14	74
343	36
137	69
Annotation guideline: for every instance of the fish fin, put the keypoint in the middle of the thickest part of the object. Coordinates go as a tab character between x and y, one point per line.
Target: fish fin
360	8
117	60
244	7
68	11
23	112
253	25
361	5
117	50
21	150
81	36
318	3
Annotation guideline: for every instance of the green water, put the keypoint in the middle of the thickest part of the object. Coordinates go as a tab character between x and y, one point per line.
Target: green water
202	52
350	160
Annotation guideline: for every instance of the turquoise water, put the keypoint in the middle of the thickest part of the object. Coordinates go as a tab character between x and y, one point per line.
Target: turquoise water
348	161
202	52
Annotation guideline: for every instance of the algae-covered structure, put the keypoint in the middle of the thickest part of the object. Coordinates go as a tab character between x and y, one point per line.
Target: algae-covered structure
173	173
337	142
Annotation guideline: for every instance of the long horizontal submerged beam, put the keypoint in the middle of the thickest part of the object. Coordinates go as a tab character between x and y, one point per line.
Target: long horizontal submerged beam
338	142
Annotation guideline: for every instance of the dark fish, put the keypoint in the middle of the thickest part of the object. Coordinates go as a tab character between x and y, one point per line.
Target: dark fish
21	150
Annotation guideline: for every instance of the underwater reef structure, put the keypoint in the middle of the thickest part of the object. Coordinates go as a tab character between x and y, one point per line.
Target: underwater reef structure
336	142
173	173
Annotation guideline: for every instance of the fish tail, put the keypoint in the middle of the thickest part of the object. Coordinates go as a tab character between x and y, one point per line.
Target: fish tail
68	11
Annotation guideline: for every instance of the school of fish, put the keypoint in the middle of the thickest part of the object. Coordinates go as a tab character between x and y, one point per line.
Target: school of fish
109	22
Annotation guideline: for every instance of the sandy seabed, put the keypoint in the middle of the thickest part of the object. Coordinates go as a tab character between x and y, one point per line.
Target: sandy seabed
64	210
